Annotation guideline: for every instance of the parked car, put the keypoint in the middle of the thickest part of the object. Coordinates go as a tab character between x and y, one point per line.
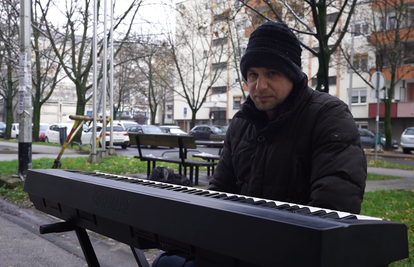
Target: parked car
203	132
119	136
2	129
142	129
125	124
146	129
52	134
407	140
43	127
15	131
172	129
368	140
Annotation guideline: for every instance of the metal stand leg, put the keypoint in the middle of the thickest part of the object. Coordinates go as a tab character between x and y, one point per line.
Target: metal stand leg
87	248
140	257
83	238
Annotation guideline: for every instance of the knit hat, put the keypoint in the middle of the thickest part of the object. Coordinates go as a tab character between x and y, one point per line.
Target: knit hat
274	46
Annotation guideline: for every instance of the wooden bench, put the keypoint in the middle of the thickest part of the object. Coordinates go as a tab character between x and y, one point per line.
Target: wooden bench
210	158
183	143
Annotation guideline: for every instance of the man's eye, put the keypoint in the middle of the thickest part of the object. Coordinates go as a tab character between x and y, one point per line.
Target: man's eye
273	73
252	74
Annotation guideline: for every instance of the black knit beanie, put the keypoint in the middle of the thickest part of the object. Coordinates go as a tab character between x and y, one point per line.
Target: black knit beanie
274	46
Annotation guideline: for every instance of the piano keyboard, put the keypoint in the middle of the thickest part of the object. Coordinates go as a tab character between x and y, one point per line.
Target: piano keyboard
285	206
216	228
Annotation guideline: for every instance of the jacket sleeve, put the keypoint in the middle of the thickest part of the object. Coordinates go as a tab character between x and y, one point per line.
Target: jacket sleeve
224	177
339	167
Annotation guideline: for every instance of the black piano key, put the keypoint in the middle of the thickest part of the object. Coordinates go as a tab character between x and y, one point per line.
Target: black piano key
269	204
231	197
238	199
283	207
248	200
220	196
292	208
190	190
304	210
260	202
330	215
201	193
318	213
350	217
211	194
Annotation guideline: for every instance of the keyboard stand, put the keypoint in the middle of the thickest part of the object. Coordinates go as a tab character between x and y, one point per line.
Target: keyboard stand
86	244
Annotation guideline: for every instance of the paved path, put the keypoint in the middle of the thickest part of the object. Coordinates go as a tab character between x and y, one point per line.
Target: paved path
406	181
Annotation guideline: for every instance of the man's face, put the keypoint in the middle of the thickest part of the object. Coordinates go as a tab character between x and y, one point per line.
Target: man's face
268	88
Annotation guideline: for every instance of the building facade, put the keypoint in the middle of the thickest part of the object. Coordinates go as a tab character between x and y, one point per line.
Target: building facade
353	87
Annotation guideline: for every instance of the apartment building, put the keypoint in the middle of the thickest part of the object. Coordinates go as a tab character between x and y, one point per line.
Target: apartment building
226	94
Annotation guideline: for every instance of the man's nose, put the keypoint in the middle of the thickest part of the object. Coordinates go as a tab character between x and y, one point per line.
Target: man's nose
261	83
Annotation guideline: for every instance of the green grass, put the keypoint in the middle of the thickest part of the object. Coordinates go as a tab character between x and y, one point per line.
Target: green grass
371	177
396	206
382	164
392	205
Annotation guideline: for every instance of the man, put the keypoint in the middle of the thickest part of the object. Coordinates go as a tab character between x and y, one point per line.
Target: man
289	142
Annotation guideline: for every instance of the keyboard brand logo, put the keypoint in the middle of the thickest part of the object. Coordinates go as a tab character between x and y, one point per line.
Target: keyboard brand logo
111	202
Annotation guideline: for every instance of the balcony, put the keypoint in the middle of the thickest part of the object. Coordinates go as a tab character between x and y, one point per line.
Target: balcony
388	36
405	72
398	110
216	101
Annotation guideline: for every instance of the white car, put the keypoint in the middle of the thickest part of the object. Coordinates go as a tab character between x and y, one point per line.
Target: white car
15	131
172	129
407	140
52	135
120	136
125	124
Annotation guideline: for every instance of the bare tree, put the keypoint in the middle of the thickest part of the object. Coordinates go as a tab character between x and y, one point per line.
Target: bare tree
327	24
155	69
126	76
46	68
195	72
77	21
9	51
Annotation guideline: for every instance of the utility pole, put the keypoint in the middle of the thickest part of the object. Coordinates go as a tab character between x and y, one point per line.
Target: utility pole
25	109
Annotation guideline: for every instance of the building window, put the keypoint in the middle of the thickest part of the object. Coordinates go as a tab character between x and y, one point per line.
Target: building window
220	41
169	107
330	18
240	24
361	62
392	22
237	76
360	29
331	81
218	90
409	53
237	102
241	50
316	49
205	54
220	66
359	96
222	16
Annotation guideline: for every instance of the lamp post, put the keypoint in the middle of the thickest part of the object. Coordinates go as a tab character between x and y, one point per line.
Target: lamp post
25	108
378	82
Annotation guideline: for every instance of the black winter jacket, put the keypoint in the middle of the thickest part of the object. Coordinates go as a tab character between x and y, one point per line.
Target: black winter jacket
310	153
